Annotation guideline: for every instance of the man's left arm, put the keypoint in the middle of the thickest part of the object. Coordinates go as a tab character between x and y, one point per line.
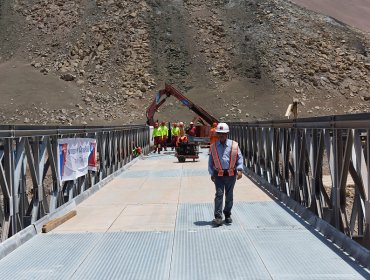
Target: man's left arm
239	165
211	166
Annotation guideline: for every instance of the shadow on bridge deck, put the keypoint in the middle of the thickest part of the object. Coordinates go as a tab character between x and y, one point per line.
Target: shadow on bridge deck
154	222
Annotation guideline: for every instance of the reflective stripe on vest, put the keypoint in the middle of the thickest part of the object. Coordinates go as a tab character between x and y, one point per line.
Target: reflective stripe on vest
232	163
233	157
216	160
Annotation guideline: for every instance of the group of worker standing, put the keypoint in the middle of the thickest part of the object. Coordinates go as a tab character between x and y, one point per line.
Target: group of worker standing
160	135
178	134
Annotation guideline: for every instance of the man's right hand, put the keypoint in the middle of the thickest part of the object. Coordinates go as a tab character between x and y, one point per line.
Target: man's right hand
213	178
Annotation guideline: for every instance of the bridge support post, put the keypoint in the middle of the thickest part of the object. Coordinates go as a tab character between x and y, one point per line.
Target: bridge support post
9	173
367	193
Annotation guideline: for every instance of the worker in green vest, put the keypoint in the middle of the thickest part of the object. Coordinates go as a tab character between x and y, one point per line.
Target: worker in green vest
137	151
157	137
164	132
175	134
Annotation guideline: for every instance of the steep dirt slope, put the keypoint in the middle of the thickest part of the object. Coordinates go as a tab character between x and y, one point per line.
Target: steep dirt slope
239	59
204	49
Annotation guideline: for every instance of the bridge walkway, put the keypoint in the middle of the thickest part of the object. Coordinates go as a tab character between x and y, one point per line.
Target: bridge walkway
153	221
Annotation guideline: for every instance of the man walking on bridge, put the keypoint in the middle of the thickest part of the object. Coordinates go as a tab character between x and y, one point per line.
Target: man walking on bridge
225	165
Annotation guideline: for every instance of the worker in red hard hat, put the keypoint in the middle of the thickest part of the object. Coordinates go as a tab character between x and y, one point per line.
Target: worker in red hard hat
157	137
212	134
192	130
175	134
164	132
184	139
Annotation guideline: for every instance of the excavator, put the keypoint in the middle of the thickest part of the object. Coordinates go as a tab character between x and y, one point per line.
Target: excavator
190	149
168	91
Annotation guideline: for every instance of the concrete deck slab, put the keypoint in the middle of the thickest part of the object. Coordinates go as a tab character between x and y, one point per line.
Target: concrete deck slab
91	219
153	165
146	196
196	190
149	209
159	193
114	194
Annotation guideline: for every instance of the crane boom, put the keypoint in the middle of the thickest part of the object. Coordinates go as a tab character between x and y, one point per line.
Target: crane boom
168	91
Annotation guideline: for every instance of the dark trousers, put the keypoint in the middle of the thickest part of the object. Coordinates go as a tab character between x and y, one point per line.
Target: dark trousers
224	184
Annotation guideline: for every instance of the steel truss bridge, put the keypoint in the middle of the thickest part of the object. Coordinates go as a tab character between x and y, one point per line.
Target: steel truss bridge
29	178
316	170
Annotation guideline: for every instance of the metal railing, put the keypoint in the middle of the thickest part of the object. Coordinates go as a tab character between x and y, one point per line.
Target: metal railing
322	163
30	185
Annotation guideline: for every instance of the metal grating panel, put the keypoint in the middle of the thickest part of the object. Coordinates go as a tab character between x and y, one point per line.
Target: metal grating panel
129	255
48	256
194	216
250	215
215	254
292	243
267	214
247	249
301	254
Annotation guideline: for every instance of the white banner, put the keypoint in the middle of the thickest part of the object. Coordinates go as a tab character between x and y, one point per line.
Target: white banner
75	157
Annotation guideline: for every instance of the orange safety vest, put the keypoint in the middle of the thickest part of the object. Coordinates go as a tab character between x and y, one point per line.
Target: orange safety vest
217	162
184	139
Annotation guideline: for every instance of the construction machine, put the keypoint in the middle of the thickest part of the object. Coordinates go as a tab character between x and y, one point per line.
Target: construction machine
190	148
168	91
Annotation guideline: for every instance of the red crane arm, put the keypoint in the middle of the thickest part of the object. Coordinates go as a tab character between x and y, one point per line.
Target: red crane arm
168	91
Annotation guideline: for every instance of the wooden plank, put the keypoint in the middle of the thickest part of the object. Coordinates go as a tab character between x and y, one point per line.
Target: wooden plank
58	221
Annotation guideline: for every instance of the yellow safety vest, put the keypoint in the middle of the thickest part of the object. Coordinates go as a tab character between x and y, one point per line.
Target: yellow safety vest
156	132
175	131
164	130
217	162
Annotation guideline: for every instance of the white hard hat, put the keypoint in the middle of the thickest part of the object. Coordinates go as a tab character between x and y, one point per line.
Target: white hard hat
191	123
222	128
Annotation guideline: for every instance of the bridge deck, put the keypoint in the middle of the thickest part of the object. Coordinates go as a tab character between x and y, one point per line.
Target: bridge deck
153	222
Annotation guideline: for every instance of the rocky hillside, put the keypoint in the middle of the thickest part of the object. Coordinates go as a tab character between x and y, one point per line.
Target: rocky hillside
91	62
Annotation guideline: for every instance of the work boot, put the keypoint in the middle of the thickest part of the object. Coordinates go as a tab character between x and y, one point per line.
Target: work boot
217	222
228	220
